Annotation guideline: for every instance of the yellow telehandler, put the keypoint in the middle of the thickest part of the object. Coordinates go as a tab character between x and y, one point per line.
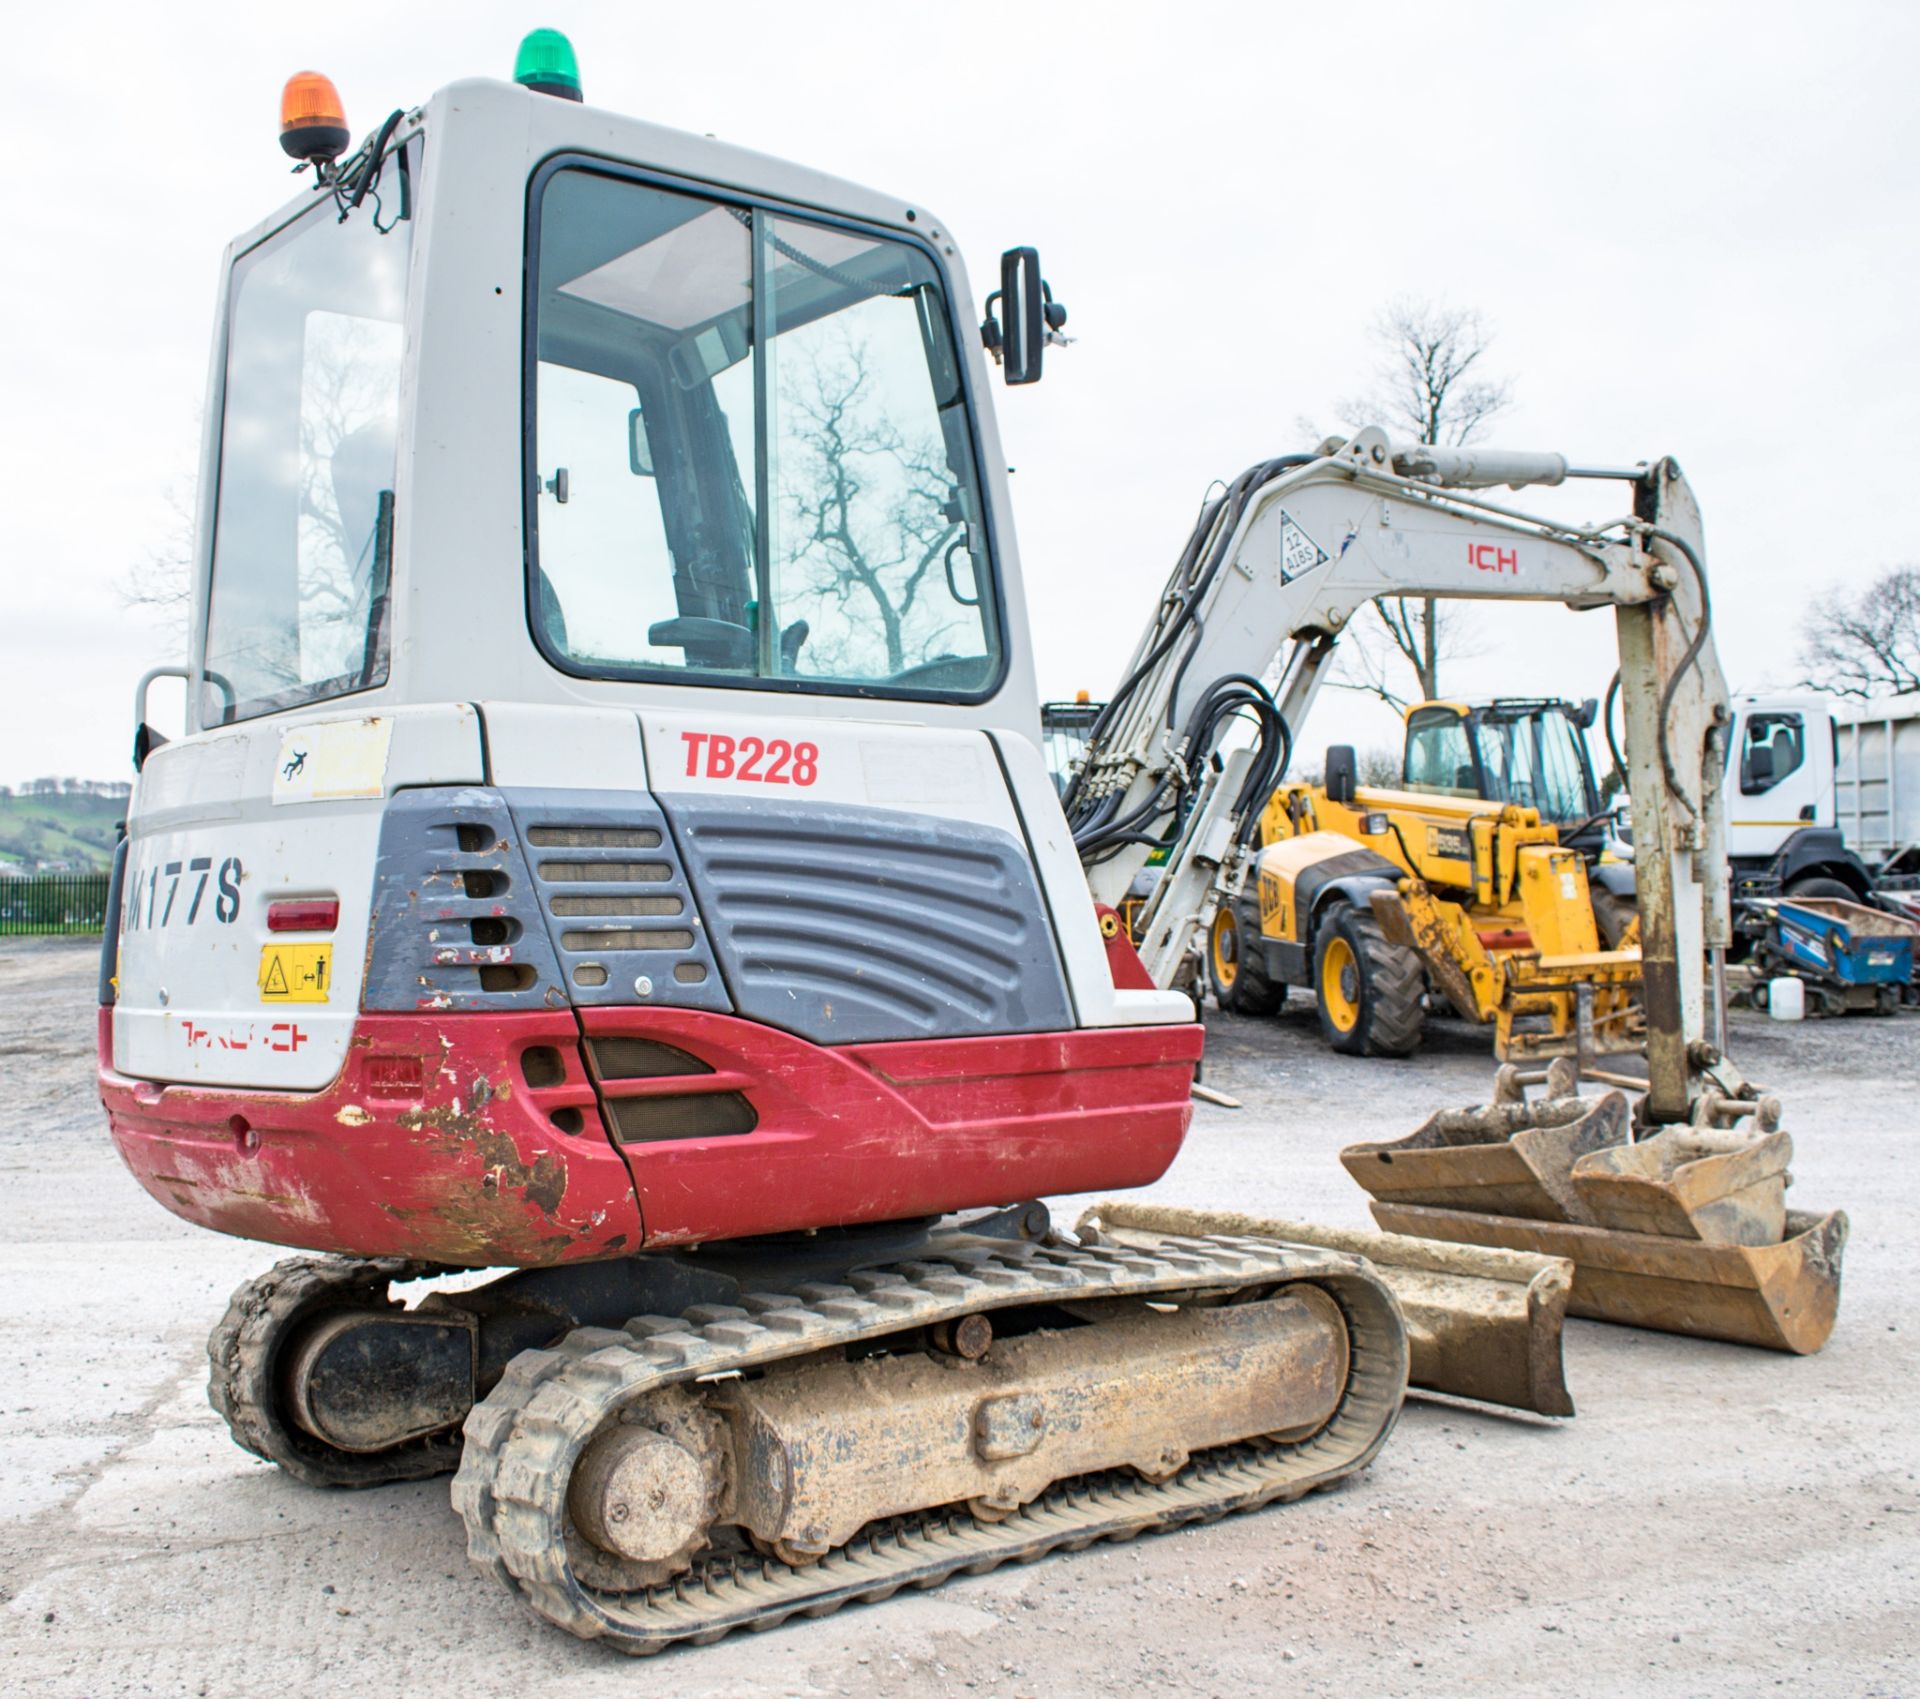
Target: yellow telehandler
1379	900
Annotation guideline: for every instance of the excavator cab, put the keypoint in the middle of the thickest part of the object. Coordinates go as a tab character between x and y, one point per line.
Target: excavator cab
611	824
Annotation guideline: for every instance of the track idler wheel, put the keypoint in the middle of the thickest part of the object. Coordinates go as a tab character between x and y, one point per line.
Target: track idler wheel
645	1493
269	1356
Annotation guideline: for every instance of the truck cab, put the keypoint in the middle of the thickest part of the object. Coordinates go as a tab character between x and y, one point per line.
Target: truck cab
1782	829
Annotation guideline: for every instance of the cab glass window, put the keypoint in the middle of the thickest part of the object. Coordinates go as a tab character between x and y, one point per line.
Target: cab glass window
749	451
1773	746
1438	759
303	518
1533	759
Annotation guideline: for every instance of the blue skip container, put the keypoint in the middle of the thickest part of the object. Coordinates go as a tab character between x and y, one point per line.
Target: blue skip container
1845	941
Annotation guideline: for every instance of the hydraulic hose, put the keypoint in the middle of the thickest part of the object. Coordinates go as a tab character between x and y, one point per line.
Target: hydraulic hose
1606	725
1097	831
1687	660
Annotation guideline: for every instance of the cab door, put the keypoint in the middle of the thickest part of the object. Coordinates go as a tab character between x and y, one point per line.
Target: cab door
1782	779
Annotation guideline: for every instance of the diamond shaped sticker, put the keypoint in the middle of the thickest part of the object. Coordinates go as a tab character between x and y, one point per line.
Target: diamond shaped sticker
1298	552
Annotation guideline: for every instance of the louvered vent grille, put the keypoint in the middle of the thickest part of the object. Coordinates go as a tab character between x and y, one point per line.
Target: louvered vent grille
456	924
656	1091
618	911
850	925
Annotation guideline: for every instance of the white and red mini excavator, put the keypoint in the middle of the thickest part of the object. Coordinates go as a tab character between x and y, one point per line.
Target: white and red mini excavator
610	844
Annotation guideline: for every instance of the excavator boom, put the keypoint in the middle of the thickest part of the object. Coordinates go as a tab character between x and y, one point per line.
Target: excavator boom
1278	568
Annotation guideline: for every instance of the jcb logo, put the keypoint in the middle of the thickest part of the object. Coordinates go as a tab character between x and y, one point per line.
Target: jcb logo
1273	905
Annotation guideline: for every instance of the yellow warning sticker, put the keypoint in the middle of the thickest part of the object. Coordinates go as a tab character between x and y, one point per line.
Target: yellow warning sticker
295	973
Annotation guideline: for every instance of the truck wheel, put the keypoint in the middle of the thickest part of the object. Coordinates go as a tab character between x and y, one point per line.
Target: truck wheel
1371	993
1239	972
1819	886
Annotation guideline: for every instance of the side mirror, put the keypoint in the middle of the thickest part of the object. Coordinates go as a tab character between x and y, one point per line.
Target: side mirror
639	450
1342	773
1018	333
1584	715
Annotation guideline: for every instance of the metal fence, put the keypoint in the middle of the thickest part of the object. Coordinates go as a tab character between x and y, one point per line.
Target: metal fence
52	903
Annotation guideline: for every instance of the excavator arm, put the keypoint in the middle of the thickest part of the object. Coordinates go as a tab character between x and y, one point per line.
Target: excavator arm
1279	567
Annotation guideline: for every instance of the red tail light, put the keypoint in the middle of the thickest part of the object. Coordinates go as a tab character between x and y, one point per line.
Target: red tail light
306	914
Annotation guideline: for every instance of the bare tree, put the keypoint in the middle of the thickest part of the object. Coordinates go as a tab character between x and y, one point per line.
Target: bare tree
871	516
1430	383
161	582
1866	644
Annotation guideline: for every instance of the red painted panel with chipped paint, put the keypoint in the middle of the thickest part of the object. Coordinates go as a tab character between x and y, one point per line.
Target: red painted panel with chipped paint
879	1132
428	1144
432	1143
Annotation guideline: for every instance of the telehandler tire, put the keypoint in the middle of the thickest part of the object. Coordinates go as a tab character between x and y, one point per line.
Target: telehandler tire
1612	915
1237	968
1371	994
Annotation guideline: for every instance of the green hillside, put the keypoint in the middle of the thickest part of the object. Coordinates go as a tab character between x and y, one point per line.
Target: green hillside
71	826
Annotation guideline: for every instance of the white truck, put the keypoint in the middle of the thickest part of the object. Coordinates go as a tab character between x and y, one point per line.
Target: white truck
1785	830
1877	781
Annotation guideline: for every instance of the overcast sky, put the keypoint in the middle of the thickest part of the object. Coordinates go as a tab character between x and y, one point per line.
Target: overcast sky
1693	227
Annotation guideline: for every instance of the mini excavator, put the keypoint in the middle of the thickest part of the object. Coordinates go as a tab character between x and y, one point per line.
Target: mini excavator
609	844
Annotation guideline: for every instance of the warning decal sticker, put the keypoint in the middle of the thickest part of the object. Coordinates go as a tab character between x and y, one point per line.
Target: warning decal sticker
1298	552
295	973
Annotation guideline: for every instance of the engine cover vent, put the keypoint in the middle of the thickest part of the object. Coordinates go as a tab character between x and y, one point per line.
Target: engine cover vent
617	909
456	919
852	925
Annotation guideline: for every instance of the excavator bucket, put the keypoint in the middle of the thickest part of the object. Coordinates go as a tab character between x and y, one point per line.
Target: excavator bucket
1507	1157
1783	1297
1685	1232
1481	1323
1691	1183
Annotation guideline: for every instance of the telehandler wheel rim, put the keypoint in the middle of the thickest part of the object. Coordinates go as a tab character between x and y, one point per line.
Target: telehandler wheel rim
1225	947
1340	984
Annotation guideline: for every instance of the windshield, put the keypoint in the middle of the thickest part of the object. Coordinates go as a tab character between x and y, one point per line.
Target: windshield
1065	728
750	451
1438	759
303	522
1534	759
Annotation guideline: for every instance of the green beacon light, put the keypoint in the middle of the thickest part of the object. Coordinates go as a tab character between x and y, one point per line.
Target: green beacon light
545	64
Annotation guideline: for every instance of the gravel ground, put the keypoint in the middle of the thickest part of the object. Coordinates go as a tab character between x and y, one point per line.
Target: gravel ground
1716	1520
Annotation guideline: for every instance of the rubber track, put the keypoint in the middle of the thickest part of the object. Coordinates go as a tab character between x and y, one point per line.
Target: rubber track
243	1379
525	1437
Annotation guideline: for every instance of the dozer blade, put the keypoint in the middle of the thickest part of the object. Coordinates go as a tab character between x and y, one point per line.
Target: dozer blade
1783	1296
1481	1323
